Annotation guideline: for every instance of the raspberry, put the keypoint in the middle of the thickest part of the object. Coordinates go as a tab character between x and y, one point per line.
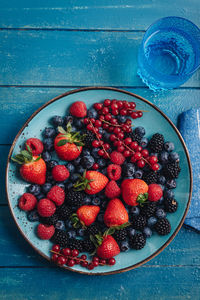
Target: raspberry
117	158
45	232
78	109
114	172
60	173
46	207
57	195
155	192
27	202
36	146
112	190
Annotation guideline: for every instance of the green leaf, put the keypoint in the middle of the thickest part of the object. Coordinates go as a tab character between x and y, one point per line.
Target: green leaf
69	127
61	130
27	155
62	142
38	158
92	238
29	149
142	198
122	226
79	144
17	161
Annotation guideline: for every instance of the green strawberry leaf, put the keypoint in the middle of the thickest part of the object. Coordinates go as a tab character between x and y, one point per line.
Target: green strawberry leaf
18	160
109	231
92	238
29	149
61	130
122	226
27	155
62	142
69	127
142	198
38	158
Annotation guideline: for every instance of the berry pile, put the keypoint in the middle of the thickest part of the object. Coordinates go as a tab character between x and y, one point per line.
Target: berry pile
98	185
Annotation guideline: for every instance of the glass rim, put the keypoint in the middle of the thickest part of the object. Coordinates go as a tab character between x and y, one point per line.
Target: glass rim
142	44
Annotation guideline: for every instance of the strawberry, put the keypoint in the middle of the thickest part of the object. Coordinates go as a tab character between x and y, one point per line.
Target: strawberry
115	214
134	191
60	173
27	202
108	248
46	208
68	144
33	168
112	190
36	146
57	195
155	192
87	214
45	232
78	109
92	182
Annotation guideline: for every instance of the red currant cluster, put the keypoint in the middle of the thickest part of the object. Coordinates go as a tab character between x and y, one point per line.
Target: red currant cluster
69	257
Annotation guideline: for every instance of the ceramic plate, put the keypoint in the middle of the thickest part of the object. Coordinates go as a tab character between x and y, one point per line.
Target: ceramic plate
153	121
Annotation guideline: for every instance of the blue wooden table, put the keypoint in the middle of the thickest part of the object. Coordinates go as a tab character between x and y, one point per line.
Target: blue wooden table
47	48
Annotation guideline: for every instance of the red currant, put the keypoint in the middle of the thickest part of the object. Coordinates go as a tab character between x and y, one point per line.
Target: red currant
86	121
134	145
115	112
141	163
98	106
66	251
101	118
106	146
114	106
126	153
105	126
102	261
99	135
153	159
120	104
75	252
133	160
95	144
128	122
134	115
128	141
110	129
108	117
95	258
112	137
61	260
120	135
115	143
83	256
111	261
98	123
56	248
105	155
140	114
84	264
105	110
95	263
139	148
117	130
95	129
54	257
145	153
71	262
101	152
120	148
107	102
113	121
95	166
137	155
89	127
126	104
155	167
133	105
123	112
114	101
92	120
90	266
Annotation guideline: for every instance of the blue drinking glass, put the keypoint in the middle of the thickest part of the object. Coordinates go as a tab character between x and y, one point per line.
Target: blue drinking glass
169	54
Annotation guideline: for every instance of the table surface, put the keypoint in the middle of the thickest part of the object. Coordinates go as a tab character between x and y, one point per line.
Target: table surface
48	48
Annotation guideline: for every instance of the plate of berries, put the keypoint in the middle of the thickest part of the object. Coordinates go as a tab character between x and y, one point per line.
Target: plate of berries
98	180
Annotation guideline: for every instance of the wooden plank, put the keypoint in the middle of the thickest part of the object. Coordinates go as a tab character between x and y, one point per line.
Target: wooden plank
15	251
113	14
71	58
152	283
4	149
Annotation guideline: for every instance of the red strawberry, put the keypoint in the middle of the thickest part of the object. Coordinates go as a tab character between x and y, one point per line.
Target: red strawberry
68	144
46	208
108	248
78	109
60	173
131	189
117	158
33	168
155	192
115	214
114	172
35	145
92	182
57	195
27	202
45	232
87	214
112	190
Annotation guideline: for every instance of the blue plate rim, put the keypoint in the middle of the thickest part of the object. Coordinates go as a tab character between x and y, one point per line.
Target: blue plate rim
181	140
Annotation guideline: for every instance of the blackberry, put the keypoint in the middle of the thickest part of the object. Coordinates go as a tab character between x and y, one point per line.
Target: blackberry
88	246
148	209
93	229
134	136
171	170
120	235
76	244
75	198
156	142
138	241
89	138
49	220
170	205
64	212
150	177
60	238
163	226
139	222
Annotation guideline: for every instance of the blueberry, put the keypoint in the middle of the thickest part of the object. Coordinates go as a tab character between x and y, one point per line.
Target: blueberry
49	132
95	152
131	231
101	162
171	184
33	215
121	119
57	121
68	223
104	171
169	146
151	221
49	178
144	142
100	218
46	156
96	201
52	163
87	161
135	211
160	201
140	130
81	232
67	119
92	113
87	200
139	174
86	152
70	168
147	232
40	196
173	156
48	144
161	180
160	213
71	234
163	157
78	123
61	185
46	187
69	185
77	161
168	194
124	246
74	177
80	170
106	136
128	170
60	225
34	189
